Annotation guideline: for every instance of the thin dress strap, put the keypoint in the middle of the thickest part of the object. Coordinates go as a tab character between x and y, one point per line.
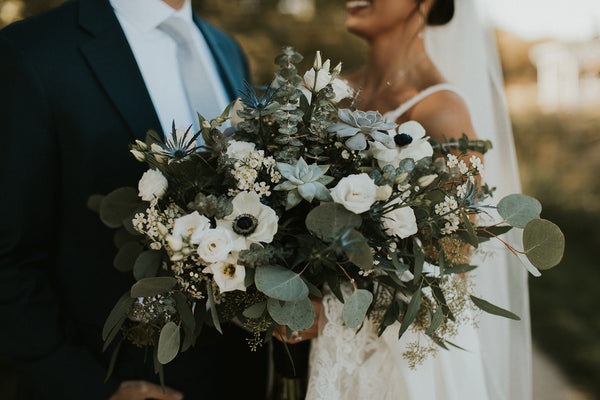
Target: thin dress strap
404	107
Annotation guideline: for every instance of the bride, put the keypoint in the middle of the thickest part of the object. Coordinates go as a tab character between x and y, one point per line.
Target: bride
431	63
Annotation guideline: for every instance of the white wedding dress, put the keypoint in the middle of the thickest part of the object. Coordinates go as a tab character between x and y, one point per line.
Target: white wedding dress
346	365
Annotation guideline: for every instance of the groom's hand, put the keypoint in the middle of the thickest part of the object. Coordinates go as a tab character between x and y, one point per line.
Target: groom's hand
142	390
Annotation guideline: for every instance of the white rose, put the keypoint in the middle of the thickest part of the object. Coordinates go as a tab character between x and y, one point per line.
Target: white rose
227	274
400	222
152	185
214	245
190	224
239	149
356	193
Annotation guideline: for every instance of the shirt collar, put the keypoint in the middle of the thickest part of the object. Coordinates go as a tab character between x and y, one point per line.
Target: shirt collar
148	14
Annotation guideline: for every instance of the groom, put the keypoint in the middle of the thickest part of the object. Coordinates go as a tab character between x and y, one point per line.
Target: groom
78	84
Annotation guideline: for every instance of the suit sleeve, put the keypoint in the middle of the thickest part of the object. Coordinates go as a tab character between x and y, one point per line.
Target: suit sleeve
33	333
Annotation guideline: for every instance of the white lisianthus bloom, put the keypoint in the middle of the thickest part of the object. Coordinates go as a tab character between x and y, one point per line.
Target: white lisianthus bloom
214	245
152	185
400	222
228	274
240	150
190	224
356	193
250	220
315	80
341	89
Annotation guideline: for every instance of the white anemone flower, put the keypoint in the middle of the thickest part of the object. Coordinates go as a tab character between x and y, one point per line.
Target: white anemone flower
228	274
250	220
411	142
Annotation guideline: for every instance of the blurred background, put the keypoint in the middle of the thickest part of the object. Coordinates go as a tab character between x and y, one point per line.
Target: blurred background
550	51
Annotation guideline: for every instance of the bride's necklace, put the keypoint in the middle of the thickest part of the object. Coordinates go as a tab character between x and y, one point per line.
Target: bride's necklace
398	76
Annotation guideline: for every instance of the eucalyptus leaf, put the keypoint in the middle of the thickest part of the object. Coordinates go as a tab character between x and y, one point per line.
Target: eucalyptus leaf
280	283
518	209
460	269
212	305
411	312
255	310
147	264
419	261
122	237
148	287
187	319
493	309
544	243
471	235
297	315
126	256
119	310
329	220
113	361
356	306
117	205
436	321
113	334
168	343
94	201
357	249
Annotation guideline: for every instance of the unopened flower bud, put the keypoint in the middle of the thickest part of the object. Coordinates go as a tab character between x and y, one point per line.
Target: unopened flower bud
401	178
187	251
337	70
426	180
162	229
138	155
206	124
383	193
175	243
220	120
177	257
141	145
318	63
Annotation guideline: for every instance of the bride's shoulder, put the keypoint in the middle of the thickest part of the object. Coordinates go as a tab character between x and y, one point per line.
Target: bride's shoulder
444	113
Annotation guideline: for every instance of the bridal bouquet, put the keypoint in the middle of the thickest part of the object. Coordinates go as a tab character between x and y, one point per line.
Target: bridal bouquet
296	197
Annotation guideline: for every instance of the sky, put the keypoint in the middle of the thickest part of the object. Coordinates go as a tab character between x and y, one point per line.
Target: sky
539	19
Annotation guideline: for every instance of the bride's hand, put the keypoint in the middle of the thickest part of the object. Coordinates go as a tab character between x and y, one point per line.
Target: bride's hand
301	336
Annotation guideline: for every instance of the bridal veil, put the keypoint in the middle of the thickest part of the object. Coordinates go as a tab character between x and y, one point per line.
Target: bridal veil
466	54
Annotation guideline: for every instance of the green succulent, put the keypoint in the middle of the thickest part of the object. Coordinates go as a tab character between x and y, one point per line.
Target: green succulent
304	182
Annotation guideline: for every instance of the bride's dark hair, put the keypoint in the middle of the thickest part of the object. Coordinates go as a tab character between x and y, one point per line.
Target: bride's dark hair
441	12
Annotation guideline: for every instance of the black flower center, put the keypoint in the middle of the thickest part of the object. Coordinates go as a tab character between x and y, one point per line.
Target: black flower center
403	139
179	153
245	224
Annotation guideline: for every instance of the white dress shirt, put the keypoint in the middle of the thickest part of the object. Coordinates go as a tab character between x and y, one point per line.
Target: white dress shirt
156	56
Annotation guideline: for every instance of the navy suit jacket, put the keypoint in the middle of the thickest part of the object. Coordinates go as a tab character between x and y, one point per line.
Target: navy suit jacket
71	100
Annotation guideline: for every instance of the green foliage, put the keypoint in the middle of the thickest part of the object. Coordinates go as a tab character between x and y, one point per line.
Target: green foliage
329	221
355	308
518	209
411	312
298	315
255	310
127	255
168	343
357	249
544	243
148	287
280	283
147	264
119	205
118	312
493	309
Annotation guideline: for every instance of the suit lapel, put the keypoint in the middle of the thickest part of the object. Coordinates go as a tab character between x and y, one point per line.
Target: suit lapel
228	76
110	57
